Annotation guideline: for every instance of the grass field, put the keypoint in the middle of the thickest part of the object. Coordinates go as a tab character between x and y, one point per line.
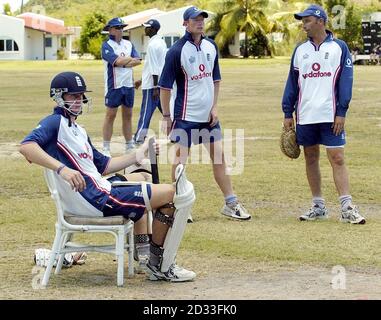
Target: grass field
273	188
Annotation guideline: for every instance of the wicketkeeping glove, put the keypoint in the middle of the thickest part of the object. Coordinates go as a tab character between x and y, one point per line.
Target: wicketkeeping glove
288	144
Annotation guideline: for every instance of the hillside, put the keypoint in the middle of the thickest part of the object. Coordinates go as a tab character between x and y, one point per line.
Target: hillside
73	12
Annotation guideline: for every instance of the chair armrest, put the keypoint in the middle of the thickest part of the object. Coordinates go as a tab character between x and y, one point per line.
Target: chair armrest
127	183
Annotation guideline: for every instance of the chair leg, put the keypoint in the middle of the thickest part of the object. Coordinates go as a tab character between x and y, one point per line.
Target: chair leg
53	255
120	257
131	252
67	237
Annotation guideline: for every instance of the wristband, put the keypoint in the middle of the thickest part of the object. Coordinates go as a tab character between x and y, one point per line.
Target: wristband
166	115
60	169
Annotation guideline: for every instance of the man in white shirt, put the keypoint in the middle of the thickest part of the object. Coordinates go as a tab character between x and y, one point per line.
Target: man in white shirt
318	91
153	65
119	57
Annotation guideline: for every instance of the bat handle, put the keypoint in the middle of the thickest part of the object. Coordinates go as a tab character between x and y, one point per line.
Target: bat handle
153	159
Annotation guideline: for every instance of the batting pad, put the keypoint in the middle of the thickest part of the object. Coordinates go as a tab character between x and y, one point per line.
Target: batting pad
183	201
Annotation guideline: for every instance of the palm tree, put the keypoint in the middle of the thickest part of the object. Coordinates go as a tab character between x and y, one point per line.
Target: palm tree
255	18
243	16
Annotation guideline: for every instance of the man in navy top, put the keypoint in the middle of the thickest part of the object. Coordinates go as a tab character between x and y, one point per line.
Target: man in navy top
119	57
59	143
318	91
191	74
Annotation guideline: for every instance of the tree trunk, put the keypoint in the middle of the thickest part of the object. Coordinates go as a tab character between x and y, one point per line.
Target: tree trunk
246	49
246	52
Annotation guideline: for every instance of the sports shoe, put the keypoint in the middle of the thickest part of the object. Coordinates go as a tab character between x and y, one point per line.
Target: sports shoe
236	211
142	264
314	213
106	152
42	256
352	215
130	147
175	273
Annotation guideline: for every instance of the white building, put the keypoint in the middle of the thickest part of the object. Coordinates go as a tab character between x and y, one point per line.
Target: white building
12	34
32	36
171	30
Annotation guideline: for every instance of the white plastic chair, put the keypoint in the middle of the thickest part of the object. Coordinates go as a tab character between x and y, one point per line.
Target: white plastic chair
68	224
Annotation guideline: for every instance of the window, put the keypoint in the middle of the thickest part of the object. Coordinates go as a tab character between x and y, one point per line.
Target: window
8	45
48	42
63	42
170	40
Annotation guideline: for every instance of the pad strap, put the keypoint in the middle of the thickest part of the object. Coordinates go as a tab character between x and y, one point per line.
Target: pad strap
145	196
163	218
169	205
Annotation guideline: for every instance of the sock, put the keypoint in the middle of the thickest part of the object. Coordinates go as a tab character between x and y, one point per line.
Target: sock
156	254
106	145
231	199
318	201
345	201
141	245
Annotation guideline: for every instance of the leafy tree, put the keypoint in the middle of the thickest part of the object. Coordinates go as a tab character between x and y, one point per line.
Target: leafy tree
254	19
7	9
91	36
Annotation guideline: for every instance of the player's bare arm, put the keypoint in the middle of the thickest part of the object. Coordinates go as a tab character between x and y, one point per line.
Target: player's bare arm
165	97
338	125
122	61
118	163
288	123
35	154
213	118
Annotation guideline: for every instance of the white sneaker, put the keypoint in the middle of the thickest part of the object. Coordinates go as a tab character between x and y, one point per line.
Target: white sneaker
314	213
130	147
236	211
106	152
142	264
42	256
352	215
175	273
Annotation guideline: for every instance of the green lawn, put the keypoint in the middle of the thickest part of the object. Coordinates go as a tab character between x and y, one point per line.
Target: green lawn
273	188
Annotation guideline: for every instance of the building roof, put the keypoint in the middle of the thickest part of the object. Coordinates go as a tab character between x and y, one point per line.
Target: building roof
43	23
137	19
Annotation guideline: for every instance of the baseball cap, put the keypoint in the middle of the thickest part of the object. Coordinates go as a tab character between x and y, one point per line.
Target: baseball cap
313	10
194	12
114	22
152	23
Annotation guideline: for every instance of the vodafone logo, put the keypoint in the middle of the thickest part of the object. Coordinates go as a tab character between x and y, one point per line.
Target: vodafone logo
202	73
316	73
316	67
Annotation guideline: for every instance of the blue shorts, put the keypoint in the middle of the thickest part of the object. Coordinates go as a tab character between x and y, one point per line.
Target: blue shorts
122	96
318	133
126	201
186	132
